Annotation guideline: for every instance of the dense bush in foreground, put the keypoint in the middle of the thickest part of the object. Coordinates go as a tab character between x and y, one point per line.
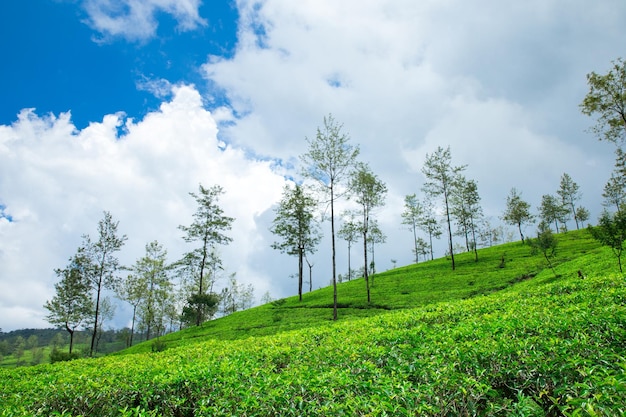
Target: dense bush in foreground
556	347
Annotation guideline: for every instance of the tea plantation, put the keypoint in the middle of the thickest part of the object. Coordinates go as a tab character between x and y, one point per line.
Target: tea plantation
503	336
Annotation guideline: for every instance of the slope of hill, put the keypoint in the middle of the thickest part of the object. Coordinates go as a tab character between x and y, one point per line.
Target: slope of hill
512	339
411	286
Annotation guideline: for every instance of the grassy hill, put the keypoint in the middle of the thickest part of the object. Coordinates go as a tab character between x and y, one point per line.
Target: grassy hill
501	336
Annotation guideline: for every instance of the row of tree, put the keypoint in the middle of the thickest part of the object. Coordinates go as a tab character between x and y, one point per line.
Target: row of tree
331	163
330	172
158	302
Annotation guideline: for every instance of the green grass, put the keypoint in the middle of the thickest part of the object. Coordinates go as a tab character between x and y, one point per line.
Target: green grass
401	288
482	340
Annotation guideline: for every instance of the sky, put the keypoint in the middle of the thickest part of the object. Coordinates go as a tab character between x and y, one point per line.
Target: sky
126	106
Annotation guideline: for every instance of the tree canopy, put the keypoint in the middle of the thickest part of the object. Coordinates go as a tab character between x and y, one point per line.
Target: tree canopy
606	99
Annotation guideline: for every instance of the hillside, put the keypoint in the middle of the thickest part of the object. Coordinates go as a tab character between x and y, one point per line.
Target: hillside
412	286
487	339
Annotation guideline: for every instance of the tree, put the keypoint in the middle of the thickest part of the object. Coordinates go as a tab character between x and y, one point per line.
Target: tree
200	305
607	100
107	311
32	341
517	211
582	214
552	210
611	232
467	211
103	264
72	306
310	265
328	162
132	290
614	192
375	236
421	248
441	179
413	212
545	243
151	286
490	235
569	192
369	192
208	228
19	345
429	225
615	189
236	296
349	231
295	224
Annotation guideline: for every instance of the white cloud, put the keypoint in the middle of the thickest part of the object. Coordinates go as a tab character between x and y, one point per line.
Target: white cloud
56	181
498	82
135	20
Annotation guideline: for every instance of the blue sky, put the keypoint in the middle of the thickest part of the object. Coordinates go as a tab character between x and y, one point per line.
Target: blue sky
51	62
137	102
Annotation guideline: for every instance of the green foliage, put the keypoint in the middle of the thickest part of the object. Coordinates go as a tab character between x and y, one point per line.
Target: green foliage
611	232
71	306
102	265
545	243
606	99
295	224
517	212
369	192
58	356
552	210
329	161
441	180
540	346
203	304
208	230
570	194
158	345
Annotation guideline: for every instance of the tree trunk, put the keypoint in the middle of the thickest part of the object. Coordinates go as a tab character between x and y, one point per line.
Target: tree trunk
202	264
415	242
95	326
365	274
132	326
332	232
349	266
300	266
445	194
430	238
71	332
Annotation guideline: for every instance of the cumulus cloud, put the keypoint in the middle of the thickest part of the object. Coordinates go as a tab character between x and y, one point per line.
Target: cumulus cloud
498	82
56	181
136	20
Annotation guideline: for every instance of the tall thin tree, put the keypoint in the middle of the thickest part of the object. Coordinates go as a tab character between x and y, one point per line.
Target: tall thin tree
104	264
208	229
72	305
295	224
413	211
428	224
570	194
349	231
517	211
369	192
467	211
441	178
328	162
